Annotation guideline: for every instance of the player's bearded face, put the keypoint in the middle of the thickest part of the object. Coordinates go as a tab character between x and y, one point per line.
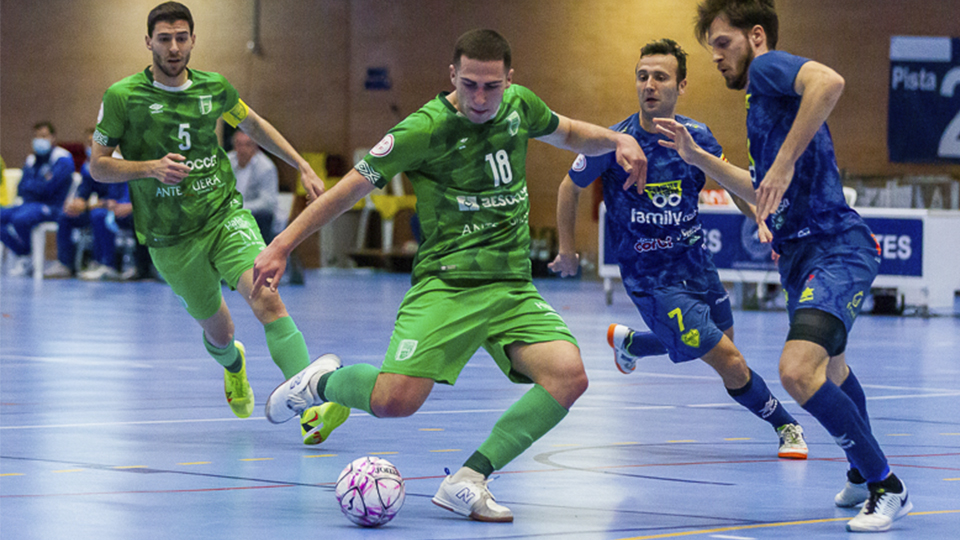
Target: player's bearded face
731	52
171	45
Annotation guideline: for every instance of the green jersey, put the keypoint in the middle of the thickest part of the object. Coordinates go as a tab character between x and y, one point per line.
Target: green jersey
147	121
470	183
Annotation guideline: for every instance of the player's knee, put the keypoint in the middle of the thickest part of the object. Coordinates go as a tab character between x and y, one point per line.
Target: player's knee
569	382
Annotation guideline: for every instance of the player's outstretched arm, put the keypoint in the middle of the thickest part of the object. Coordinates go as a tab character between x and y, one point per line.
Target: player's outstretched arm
820	88
109	170
270	264
567	261
267	136
591	140
734	178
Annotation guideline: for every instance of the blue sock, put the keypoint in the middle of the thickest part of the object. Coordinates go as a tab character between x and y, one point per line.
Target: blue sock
756	397
643	344
838	414
851	387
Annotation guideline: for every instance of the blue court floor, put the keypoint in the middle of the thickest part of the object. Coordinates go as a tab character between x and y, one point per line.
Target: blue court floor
113	425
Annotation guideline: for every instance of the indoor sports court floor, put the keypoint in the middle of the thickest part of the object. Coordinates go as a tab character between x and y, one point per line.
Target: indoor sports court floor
113	426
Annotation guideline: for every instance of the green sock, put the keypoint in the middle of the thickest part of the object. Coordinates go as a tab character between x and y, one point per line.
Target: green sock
530	418
480	463
350	386
228	357
287	347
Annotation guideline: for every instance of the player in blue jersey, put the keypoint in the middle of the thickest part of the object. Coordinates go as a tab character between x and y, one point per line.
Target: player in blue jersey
828	258
659	245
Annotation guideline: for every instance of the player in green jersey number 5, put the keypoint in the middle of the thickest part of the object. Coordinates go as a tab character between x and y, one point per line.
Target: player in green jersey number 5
464	152
186	207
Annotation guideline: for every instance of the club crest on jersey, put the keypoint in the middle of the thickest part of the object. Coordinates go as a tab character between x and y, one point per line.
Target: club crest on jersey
514	123
383	147
580	163
406	349
206	104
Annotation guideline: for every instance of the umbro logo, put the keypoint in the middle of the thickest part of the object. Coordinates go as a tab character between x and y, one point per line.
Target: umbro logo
844	442
156	108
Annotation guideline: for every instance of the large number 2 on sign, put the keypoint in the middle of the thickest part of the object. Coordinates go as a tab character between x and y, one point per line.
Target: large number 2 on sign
950	140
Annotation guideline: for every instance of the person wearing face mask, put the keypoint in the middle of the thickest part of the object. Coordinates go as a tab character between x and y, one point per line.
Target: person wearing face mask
86	208
43	188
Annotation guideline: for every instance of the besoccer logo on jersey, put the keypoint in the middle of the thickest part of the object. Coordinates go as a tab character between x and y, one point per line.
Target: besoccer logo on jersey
206	104
665	193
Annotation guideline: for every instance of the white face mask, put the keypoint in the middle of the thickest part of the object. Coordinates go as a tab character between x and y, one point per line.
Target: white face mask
42	146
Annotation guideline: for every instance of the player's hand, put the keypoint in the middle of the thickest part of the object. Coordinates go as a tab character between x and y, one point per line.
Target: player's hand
679	138
772	188
268	268
170	170
764	234
565	265
121	210
311	182
632	159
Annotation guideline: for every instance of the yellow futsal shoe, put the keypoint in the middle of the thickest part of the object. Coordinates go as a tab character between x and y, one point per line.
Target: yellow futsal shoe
237	387
316	423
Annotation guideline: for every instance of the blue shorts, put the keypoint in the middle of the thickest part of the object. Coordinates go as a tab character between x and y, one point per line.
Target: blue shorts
831	275
689	318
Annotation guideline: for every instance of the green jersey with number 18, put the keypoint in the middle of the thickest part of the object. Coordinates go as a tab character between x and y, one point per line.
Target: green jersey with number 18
470	183
148	120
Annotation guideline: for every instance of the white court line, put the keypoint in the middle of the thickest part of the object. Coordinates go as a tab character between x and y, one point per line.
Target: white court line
418	413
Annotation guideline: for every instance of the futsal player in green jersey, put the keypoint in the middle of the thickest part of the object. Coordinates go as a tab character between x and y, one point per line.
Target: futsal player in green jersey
464	152
186	207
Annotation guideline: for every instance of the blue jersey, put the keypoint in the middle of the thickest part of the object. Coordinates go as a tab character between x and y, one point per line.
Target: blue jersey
657	235
813	205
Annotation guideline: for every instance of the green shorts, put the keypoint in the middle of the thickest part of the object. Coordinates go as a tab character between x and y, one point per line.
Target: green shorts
440	325
194	267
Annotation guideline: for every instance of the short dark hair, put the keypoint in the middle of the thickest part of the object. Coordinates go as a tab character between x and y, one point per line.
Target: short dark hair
45	124
482	45
170	12
671	47
741	14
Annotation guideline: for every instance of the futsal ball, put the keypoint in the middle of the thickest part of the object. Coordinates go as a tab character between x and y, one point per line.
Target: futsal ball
370	491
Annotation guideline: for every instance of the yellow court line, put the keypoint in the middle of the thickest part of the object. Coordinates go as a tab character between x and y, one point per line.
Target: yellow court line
67	470
431	429
950	433
195	463
448	450
951	479
323	455
768	525
11	474
257	459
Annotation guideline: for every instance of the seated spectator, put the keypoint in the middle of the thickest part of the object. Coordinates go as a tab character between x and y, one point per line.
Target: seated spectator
256	181
106	222
90	199
47	175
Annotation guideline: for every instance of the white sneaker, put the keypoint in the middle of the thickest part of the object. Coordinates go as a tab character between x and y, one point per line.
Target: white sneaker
470	497
57	270
880	510
299	393
792	445
102	272
852	495
616	335
22	266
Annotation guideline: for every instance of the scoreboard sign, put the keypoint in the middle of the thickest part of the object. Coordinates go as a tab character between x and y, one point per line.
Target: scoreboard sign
924	114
